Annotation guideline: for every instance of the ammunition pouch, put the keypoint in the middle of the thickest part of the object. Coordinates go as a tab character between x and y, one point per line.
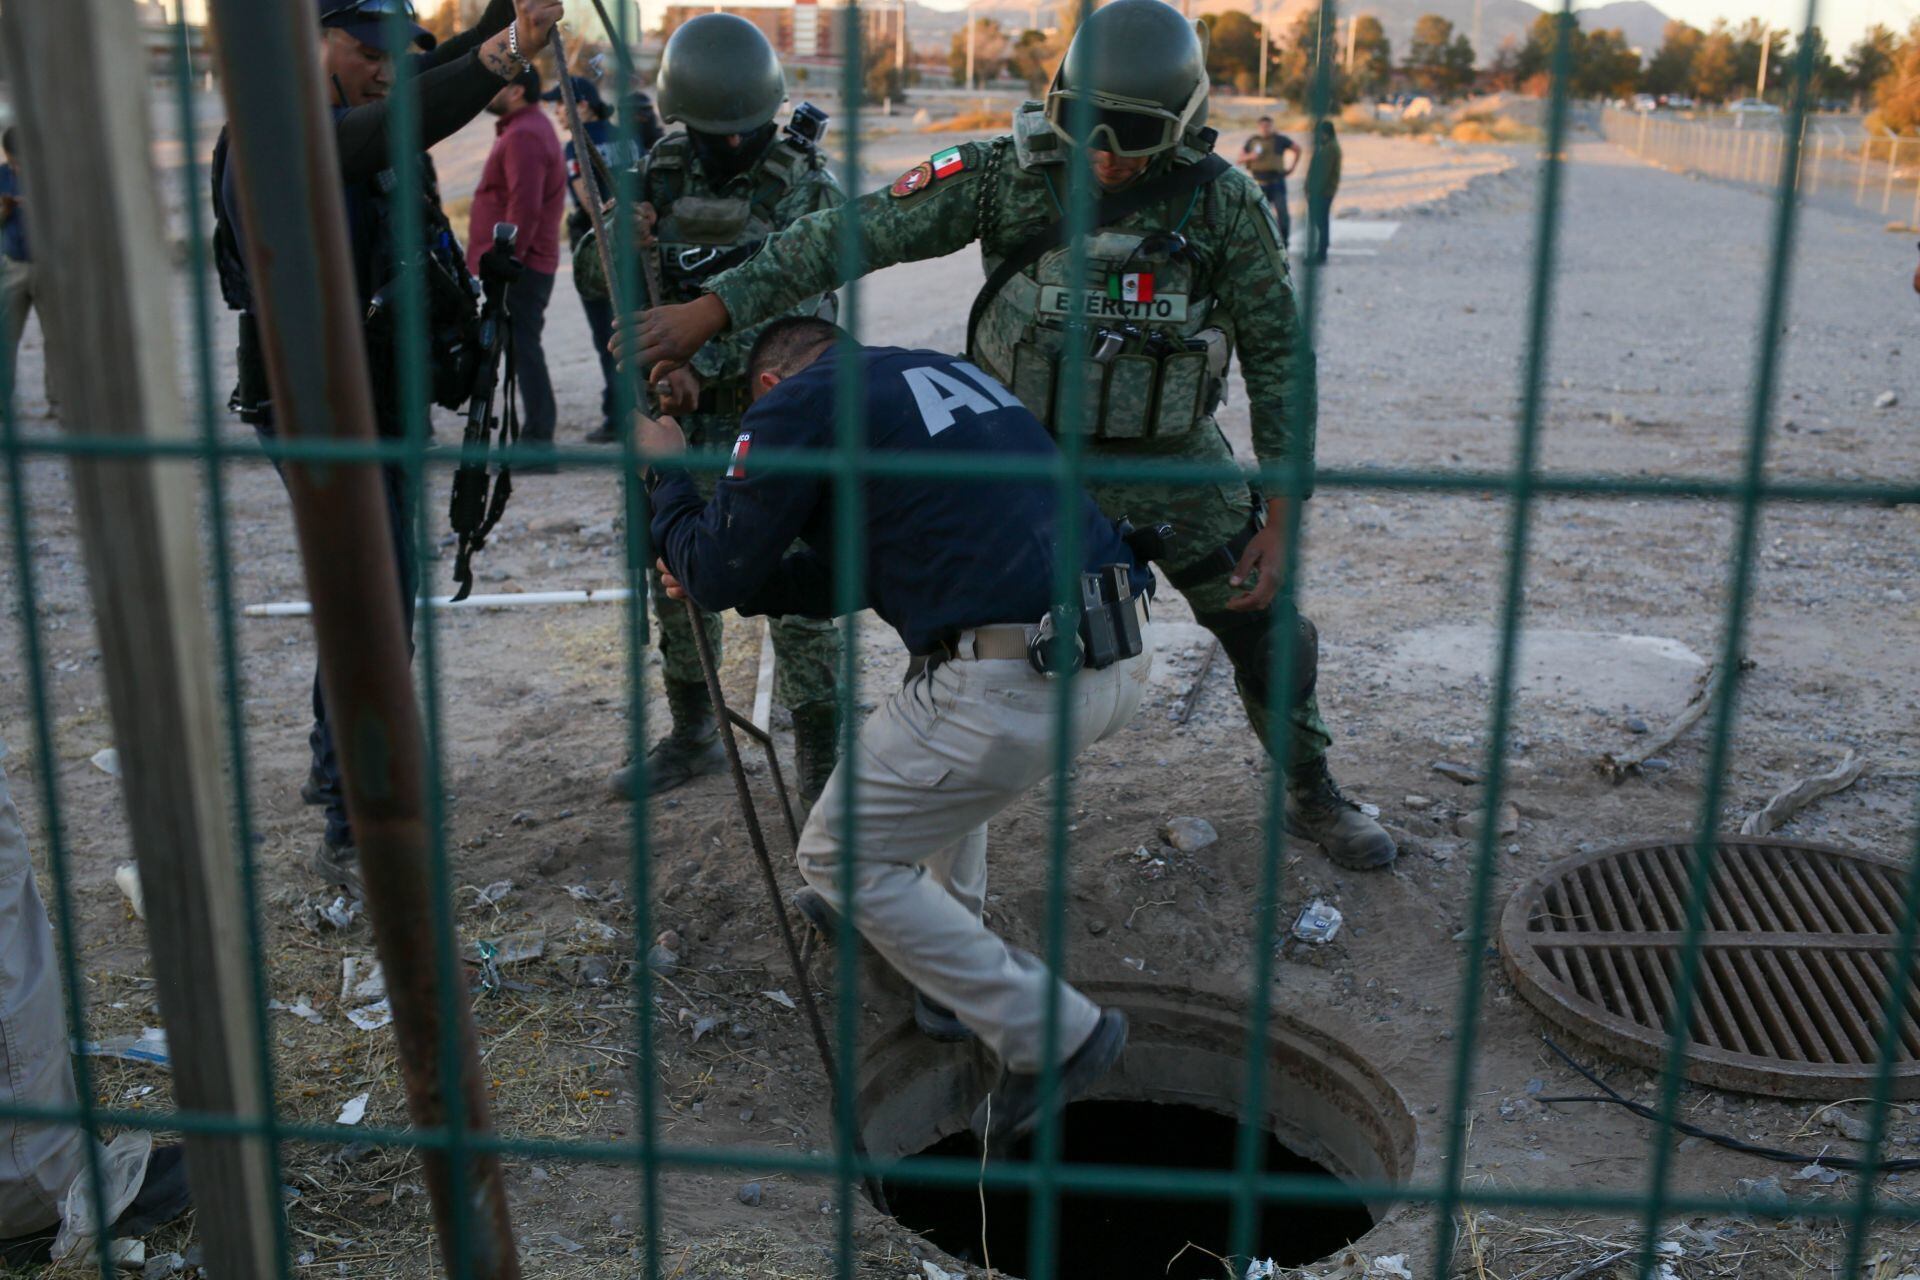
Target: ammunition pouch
1109	631
1159	393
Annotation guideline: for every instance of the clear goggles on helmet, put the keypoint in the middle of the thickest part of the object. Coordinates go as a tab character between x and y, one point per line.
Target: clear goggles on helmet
1123	126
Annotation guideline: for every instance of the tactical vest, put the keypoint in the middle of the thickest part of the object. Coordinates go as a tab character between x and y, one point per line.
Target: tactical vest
702	235
452	299
1156	356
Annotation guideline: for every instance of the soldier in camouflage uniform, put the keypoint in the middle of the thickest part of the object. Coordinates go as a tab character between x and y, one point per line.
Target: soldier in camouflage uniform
1176	285
710	194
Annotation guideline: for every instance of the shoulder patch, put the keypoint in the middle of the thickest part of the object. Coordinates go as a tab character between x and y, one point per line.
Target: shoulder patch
737	461
914	179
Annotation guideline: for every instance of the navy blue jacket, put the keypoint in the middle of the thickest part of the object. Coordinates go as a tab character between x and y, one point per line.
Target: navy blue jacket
942	555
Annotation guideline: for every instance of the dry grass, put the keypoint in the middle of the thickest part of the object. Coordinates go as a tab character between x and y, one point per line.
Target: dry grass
968	122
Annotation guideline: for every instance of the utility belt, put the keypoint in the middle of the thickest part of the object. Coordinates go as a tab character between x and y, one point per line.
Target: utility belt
1159	391
1112	629
1223	559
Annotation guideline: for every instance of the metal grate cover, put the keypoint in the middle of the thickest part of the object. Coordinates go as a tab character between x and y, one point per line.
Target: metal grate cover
1793	961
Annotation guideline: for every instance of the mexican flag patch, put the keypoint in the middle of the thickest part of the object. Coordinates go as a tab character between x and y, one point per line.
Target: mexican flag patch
737	463
1132	286
947	163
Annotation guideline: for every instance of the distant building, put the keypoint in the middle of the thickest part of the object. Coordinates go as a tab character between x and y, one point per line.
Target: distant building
802	30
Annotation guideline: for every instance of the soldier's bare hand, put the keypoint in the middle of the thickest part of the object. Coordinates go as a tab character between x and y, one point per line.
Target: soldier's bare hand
535	19
1262	563
673	334
660	437
670	583
679	390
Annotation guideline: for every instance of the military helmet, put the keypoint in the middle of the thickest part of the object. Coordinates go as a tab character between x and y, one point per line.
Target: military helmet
719	75
1144	69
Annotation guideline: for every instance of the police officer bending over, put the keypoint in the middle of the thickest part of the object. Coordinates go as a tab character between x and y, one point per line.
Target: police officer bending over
452	83
1186	267
965	573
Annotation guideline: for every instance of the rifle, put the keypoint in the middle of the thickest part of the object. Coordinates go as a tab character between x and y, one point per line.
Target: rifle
474	511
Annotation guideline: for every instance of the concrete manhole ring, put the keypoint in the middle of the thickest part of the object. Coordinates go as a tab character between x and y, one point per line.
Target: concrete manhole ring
1793	972
1324	1102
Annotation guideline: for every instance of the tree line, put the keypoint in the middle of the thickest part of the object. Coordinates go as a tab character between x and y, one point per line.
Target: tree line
1716	65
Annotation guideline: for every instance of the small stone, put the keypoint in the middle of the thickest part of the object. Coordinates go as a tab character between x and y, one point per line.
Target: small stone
698	1108
1096	927
1418	802
746	1117
663	959
594	971
1658	764
1189	835
1470	824
1637	725
741	1031
1886	400
749	1195
670	939
1464	774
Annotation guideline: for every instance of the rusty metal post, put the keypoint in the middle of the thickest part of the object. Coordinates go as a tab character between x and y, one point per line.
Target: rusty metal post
293	209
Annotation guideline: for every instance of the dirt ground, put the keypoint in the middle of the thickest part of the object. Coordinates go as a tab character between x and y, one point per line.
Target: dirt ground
1656	310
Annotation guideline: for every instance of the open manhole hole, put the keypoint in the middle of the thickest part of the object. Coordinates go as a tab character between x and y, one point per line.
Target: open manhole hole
1793	972
1173	1102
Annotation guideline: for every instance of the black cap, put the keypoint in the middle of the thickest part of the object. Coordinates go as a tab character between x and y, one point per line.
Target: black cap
584	92
367	22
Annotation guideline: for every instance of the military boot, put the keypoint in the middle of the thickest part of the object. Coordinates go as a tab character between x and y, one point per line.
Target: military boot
815	744
690	750
1317	811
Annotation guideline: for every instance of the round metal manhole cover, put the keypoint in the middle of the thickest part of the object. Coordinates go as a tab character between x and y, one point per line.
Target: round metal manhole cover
1793	962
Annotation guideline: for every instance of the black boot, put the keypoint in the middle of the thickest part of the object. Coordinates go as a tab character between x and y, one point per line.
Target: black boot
816	743
1318	811
690	750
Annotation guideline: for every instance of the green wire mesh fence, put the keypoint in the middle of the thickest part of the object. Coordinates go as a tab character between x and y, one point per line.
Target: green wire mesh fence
1774	155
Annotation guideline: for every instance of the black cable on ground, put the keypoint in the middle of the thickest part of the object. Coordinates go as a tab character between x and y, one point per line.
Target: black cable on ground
1731	1143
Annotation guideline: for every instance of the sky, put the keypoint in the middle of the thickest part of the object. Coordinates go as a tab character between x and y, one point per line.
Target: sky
1841	20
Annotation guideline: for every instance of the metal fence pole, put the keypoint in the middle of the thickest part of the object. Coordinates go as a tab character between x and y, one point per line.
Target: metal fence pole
108	264
1893	162
1914	221
309	312
1860	188
1819	158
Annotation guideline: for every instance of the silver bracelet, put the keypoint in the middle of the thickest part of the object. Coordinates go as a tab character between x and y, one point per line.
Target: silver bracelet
513	46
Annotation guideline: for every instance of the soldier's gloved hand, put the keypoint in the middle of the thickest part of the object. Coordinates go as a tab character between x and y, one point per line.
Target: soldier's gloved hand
1266	555
679	391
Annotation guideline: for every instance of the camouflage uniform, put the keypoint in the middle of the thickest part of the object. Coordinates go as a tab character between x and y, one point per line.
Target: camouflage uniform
703	225
1156	399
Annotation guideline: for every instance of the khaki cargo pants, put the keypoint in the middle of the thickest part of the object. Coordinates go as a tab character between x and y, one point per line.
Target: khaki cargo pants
38	1159
945	753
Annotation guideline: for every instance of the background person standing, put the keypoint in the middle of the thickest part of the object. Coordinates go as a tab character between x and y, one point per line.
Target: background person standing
525	183
1270	157
1323	183
19	286
451	82
619	153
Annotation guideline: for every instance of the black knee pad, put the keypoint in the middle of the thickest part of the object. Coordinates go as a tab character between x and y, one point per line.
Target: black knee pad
1244	639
